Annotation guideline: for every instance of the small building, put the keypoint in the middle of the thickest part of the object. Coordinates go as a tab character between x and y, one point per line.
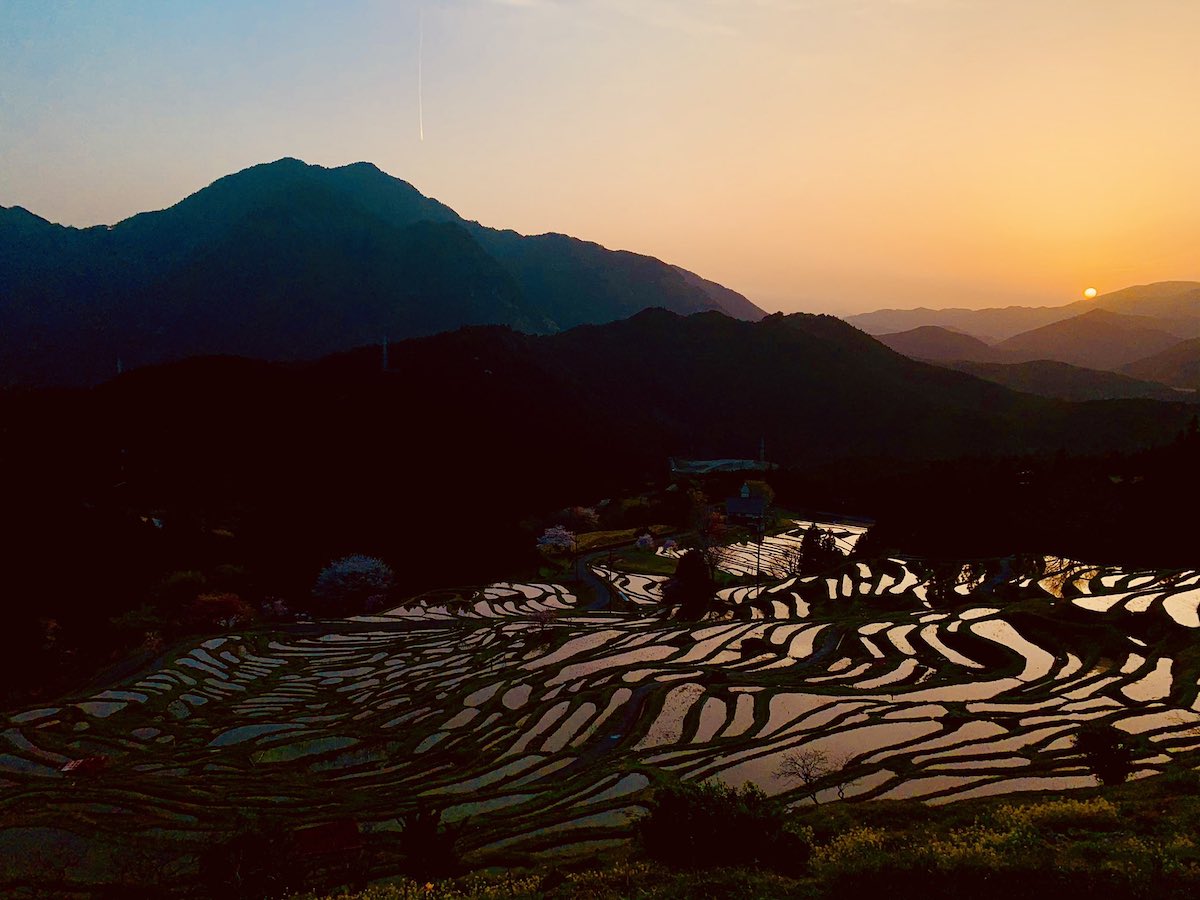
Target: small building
751	504
745	509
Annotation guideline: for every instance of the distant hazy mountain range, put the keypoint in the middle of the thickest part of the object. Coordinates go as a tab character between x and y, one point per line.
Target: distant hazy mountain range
288	261
1175	304
937	344
1146	333
1178	365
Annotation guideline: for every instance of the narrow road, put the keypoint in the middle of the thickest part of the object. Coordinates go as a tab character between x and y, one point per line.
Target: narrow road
601	591
604	594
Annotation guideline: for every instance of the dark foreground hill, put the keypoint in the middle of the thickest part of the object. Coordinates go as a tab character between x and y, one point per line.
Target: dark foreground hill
1098	339
1178	366
937	344
1062	381
444	463
1106	341
288	261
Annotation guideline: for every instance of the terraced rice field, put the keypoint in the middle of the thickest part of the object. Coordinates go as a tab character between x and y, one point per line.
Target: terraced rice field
544	734
746	558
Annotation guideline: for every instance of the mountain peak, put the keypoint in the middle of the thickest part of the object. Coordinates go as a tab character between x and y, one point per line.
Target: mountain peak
362	165
288	260
283	162
938	343
19	216
1096	339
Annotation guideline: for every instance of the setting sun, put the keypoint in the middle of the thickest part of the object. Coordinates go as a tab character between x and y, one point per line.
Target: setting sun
1089	293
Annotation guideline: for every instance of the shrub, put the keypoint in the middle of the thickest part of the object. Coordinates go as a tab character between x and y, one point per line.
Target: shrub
428	845
1097	814
709	824
347	584
180	586
1181	779
854	851
973	847
1135	860
215	611
469	887
1107	751
255	861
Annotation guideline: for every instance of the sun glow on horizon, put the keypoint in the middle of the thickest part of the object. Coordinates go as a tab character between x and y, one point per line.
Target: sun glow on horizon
1090	293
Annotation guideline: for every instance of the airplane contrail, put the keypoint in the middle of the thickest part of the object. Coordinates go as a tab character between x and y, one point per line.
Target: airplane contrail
420	54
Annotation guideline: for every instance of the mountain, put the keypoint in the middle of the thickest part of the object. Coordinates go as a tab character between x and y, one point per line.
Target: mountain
938	344
636	391
989	325
1169	300
288	261
1097	335
1062	381
731	302
1175	303
1098	339
1178	366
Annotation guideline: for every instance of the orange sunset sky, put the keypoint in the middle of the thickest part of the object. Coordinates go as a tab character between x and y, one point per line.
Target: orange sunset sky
821	155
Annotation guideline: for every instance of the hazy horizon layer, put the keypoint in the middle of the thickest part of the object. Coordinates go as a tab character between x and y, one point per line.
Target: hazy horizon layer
815	155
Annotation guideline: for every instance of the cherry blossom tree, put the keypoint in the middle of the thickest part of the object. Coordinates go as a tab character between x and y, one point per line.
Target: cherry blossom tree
557	539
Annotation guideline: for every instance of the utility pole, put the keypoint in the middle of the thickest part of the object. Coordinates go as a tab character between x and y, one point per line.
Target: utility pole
758	557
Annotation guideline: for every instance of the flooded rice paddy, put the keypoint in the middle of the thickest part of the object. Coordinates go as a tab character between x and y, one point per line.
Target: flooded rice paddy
540	731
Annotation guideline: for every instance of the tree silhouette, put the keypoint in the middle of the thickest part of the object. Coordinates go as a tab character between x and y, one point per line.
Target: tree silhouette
1107	751
692	589
818	550
806	765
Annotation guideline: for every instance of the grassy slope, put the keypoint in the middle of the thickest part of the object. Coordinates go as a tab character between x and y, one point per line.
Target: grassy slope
1134	840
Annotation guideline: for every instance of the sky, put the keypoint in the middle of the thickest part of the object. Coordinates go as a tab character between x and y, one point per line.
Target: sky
816	155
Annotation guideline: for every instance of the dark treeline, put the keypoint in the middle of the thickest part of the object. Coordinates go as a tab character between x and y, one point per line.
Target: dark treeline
1133	509
252	478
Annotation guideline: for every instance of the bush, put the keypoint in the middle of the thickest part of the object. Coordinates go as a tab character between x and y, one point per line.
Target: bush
1107	751
1061	815
977	848
709	824
348	584
217	611
255	861
1182	780
855	851
428	845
